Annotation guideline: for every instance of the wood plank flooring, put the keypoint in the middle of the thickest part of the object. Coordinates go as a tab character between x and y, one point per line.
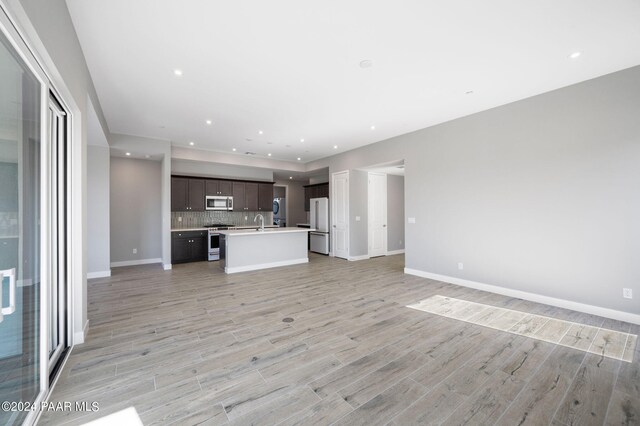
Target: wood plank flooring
195	346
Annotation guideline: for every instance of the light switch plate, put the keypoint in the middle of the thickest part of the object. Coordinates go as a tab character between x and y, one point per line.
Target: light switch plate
412	220
357	218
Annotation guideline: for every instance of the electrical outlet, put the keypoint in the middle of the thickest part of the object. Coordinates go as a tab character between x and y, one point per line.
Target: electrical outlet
460	266
357	218
135	251
627	293
179	218
411	220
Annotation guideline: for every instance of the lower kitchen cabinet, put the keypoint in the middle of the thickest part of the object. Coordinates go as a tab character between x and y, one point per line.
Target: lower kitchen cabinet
189	246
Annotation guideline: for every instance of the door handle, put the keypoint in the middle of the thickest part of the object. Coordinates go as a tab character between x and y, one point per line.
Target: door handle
384	226
11	273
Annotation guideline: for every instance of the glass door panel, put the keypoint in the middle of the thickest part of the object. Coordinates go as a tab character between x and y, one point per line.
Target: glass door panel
20	122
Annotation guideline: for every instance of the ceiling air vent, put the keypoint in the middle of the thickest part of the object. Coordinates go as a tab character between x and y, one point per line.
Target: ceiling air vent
400	167
250	153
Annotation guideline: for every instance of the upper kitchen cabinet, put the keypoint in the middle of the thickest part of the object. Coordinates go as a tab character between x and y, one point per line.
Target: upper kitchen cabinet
187	194
265	197
251	191
219	187
315	191
238	196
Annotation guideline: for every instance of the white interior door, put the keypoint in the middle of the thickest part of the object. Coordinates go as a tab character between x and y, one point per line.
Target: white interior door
340	214
377	214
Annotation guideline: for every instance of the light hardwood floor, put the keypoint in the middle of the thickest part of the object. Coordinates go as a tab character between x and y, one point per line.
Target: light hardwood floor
196	346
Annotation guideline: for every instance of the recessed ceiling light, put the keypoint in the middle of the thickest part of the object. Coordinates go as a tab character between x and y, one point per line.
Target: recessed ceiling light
290	177
177	72
269	154
574	55
234	150
259	132
299	158
373	127
209	122
128	154
192	143
367	63
335	147
301	140
147	156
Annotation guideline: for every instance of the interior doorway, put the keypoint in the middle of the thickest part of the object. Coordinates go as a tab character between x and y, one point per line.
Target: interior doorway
377	214
280	206
340	214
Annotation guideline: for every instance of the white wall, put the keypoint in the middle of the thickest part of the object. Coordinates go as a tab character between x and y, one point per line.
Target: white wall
98	224
136	205
537	196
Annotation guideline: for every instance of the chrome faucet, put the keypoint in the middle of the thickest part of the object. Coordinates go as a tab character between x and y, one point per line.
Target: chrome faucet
261	221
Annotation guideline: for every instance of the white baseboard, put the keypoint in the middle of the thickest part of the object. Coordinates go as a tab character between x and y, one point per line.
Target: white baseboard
533	297
167	266
394	252
135	262
99	274
79	336
247	268
362	257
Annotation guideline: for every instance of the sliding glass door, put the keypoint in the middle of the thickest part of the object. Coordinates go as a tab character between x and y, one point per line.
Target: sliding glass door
20	245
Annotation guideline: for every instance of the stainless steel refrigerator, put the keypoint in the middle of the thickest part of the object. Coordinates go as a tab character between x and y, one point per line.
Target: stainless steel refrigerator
319	212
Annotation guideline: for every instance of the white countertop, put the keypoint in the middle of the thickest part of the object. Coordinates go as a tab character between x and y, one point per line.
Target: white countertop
267	231
206	229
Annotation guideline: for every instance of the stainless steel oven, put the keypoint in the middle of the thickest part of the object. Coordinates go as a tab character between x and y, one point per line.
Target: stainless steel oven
214	244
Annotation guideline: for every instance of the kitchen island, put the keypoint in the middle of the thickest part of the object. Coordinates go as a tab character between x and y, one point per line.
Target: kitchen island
250	250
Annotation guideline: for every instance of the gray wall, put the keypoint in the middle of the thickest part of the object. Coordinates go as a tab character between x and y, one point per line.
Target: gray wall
98	227
201	168
539	195
47	26
358	206
395	213
136	201
295	202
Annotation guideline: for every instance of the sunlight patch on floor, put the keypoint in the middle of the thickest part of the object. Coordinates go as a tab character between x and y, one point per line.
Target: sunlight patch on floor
595	340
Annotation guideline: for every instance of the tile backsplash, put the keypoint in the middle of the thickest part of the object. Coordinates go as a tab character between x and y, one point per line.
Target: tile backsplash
200	219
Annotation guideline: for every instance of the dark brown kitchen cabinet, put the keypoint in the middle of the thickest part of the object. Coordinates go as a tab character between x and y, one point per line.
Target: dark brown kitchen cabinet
265	197
189	246
238	196
315	191
225	187
251	196
187	194
219	187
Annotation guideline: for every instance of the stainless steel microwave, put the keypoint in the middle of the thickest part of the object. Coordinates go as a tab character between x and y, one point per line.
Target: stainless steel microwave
216	202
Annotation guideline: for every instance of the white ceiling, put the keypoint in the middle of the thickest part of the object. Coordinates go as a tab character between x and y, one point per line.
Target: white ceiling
291	68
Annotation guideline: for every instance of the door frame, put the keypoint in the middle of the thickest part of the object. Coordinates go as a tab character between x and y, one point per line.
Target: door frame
334	213
17	28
